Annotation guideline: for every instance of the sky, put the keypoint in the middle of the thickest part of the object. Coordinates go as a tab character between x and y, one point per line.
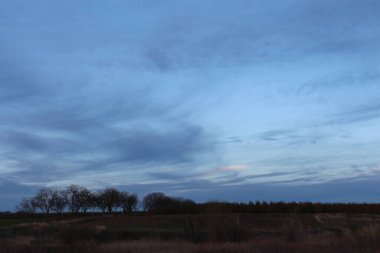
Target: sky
206	99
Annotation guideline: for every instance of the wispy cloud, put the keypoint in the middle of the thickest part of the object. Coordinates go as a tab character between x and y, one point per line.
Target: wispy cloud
362	113
236	167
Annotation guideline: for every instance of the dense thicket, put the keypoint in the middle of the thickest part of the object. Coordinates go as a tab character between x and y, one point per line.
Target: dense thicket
78	199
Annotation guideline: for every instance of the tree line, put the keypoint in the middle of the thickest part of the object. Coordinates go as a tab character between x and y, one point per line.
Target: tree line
78	199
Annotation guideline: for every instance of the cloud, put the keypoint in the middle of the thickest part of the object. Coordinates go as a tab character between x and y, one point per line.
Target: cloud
53	133
15	82
12	192
236	167
172	144
62	156
274	135
367	112
295	137
361	191
164	91
344	82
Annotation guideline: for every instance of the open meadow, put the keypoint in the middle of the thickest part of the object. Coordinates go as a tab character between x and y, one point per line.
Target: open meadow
261	233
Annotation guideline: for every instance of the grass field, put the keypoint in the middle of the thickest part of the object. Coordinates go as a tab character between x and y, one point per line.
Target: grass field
192	233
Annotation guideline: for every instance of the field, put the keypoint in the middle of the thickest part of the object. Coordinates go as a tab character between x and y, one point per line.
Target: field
256	233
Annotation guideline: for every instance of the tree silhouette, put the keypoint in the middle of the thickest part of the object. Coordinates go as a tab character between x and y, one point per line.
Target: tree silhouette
76	197
27	205
44	199
108	199
128	202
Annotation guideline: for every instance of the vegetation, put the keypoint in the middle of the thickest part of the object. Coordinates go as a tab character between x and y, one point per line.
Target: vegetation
75	199
78	199
261	233
75	219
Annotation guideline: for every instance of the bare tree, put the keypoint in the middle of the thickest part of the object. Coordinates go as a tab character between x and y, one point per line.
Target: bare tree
27	205
158	202
43	199
100	200
128	202
76	197
58	201
90	202
155	201
108	199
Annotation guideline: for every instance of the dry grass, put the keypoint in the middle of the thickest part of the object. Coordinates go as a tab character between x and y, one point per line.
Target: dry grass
220	233
263	246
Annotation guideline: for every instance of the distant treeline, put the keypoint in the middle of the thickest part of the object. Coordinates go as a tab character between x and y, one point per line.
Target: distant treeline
78	199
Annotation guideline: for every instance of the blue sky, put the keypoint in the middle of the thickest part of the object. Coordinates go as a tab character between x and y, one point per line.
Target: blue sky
231	100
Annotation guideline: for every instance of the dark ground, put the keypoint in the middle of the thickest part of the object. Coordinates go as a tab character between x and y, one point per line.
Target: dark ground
191	233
